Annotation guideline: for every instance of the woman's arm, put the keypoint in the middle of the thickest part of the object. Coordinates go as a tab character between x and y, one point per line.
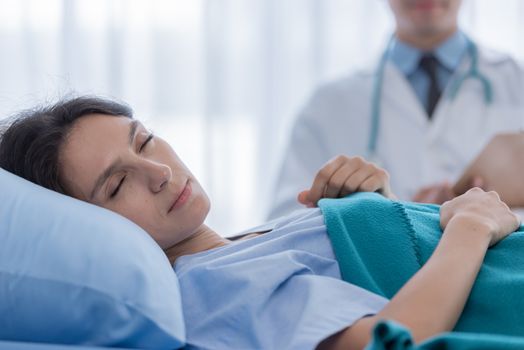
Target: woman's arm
433	299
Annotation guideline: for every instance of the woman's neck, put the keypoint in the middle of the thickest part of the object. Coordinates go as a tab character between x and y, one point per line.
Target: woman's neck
203	239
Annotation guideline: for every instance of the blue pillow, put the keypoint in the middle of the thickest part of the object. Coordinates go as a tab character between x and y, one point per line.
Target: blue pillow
74	273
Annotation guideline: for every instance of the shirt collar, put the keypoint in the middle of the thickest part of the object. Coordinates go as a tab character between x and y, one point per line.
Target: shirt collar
449	53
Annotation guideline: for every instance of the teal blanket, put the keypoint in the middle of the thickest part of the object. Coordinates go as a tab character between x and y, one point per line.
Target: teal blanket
380	244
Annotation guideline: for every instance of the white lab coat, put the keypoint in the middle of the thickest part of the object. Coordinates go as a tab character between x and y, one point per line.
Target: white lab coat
415	151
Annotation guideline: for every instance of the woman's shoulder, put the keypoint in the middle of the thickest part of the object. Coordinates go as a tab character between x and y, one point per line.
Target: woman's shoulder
297	230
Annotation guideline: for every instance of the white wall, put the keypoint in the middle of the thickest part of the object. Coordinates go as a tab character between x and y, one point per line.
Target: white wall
220	79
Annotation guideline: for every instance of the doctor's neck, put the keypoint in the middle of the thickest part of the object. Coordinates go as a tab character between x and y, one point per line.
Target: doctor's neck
425	40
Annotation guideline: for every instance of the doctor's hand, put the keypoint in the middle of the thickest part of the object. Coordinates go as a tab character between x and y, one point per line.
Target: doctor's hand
441	192
343	175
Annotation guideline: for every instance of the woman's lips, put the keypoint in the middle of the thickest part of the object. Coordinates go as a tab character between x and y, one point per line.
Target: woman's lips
182	197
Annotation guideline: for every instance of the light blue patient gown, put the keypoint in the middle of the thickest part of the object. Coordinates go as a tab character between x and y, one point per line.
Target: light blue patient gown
280	290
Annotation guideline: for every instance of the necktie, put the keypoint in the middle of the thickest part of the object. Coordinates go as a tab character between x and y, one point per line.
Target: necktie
429	64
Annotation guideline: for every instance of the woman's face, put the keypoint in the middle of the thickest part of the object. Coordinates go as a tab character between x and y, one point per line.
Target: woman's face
115	163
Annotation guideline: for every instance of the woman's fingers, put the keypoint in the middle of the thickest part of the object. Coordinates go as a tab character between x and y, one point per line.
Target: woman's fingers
338	180
320	182
482	207
356	181
344	175
303	198
373	183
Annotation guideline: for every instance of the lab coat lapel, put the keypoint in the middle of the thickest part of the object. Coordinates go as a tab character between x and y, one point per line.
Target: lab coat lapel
398	95
445	114
402	132
464	125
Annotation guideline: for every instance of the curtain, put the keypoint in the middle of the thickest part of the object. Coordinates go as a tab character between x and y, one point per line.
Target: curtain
221	80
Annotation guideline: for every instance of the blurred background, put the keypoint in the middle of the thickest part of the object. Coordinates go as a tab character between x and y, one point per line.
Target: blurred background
221	80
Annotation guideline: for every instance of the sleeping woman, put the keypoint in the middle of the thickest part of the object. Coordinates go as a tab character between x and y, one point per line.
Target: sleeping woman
321	278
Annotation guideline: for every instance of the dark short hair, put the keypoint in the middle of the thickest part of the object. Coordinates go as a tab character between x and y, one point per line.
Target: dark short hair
30	141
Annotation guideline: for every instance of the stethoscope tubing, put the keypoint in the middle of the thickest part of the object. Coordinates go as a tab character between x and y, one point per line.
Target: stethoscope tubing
473	72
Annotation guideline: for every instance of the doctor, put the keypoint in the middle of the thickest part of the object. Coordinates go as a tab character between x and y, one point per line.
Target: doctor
423	112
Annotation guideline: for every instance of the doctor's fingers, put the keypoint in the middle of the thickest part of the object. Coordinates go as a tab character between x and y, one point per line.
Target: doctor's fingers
477	181
436	194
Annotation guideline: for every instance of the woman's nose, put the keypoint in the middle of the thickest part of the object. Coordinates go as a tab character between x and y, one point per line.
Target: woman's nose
158	175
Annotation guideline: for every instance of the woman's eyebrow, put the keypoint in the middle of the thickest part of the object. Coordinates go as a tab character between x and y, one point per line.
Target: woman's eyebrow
110	169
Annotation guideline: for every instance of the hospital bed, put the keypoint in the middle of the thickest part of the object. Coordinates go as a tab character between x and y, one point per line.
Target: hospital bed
77	276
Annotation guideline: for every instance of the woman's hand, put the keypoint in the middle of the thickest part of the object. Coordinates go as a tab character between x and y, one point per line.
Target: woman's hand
433	299
482	212
344	175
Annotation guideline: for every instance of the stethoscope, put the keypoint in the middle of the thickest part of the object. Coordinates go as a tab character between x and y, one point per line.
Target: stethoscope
473	73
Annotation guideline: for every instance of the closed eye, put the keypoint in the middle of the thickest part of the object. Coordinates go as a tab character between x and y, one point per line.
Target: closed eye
149	138
115	191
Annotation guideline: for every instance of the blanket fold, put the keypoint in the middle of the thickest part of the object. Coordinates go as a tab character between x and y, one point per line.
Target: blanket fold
380	244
